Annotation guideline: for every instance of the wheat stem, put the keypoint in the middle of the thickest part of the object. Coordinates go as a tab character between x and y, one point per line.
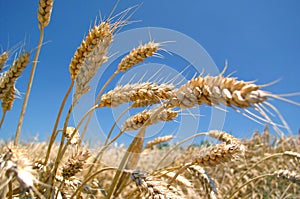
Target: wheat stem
54	131
138	138
248	182
176	146
25	102
89	178
106	144
250	168
2	118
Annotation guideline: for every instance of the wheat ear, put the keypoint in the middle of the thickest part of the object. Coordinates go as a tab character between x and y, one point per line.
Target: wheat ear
223	136
9	77
214	90
7	102
7	83
137	55
217	154
158	140
96	36
140	92
44	12
153	188
75	164
237	94
137	121
90	55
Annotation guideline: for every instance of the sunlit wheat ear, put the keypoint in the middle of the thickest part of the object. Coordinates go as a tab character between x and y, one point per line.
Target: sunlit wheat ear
3	59
208	182
288	175
90	55
99	34
7	80
214	90
74	164
237	94
139	93
158	140
223	136
138	55
44	12
137	121
218	154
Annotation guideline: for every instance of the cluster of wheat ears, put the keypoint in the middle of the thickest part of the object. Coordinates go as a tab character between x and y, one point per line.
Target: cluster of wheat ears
264	166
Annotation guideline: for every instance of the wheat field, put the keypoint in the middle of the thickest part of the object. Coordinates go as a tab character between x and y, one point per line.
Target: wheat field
266	165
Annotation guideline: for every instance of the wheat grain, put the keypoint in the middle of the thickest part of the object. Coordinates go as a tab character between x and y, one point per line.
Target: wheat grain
138	55
140	93
158	140
137	121
44	12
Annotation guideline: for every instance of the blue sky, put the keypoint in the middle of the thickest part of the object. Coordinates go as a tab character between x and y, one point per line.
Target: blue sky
260	39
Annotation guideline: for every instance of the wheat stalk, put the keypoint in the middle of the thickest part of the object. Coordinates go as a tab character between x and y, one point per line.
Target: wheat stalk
44	15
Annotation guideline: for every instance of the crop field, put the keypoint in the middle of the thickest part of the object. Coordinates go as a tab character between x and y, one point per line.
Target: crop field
221	165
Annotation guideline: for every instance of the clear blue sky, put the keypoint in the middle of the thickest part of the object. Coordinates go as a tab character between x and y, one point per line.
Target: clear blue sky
260	39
